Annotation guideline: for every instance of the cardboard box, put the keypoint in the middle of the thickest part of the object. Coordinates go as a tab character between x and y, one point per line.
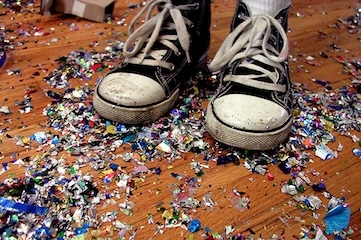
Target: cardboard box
95	10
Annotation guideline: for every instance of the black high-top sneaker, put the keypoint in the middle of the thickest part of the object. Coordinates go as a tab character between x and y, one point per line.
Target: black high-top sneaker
252	108
159	55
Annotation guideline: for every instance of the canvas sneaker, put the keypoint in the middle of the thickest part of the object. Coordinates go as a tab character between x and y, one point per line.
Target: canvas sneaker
160	55
252	108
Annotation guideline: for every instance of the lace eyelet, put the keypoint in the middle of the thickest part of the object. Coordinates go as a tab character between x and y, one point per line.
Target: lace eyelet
242	16
197	5
172	67
178	53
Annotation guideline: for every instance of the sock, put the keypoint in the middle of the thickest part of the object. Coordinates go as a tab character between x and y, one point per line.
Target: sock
270	7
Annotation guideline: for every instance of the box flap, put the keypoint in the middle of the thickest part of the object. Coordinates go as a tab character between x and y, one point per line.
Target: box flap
102	3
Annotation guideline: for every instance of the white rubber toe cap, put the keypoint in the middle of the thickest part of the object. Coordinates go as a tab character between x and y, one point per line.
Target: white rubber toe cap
129	89
249	112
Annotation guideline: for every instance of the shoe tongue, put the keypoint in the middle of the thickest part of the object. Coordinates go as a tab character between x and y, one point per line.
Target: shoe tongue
182	2
244	71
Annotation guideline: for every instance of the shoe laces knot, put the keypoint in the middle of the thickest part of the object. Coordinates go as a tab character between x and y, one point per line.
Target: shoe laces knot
142	39
250	42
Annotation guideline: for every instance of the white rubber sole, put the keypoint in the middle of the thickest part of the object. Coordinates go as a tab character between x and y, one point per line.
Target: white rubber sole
244	139
133	115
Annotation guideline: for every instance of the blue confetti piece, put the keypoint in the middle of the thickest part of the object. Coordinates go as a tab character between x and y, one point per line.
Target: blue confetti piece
9	205
357	152
337	219
194	225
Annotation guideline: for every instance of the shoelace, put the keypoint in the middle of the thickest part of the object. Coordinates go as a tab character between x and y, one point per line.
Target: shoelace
249	42
149	33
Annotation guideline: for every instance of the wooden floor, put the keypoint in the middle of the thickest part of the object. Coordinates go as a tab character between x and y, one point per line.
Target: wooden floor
314	27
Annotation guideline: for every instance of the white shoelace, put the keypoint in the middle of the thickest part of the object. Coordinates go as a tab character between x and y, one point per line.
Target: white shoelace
149	33
252	35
